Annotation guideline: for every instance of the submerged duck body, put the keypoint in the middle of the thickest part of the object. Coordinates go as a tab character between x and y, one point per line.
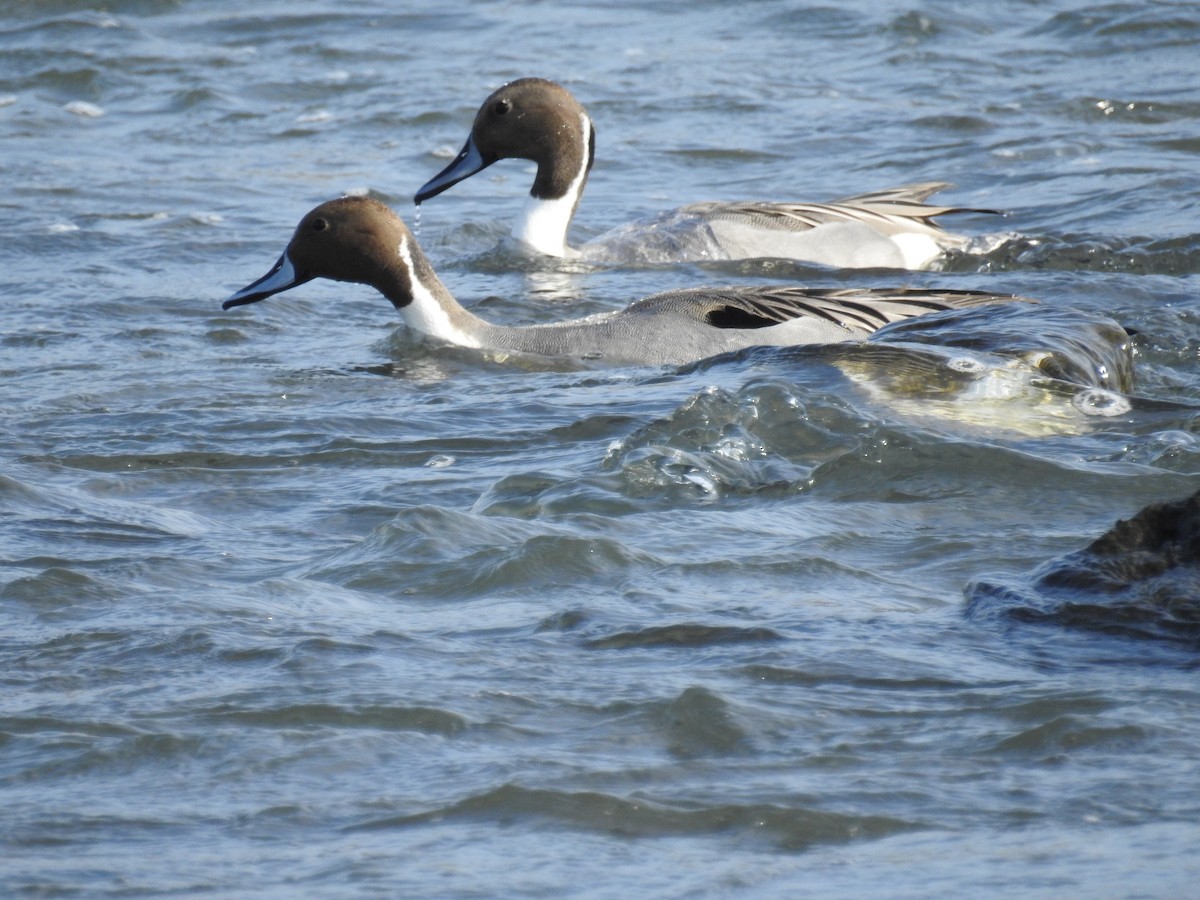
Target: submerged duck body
541	121
358	239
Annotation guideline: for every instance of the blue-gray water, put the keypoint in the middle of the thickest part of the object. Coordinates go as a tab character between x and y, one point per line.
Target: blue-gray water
296	605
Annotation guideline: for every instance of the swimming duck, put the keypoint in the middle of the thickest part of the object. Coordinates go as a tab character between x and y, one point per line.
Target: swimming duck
361	240
541	121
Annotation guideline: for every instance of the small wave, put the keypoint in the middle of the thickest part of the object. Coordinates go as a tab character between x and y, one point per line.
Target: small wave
67	511
60	585
713	444
1068	345
315	716
84	110
699	723
1069	734
685	634
451	554
1108	27
88	754
788	827
1174	256
313	117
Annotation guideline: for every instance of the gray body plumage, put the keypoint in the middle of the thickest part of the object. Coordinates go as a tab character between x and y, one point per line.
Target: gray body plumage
538	120
683	326
361	240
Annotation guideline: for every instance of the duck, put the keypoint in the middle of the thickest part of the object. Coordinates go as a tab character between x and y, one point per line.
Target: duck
361	240
539	120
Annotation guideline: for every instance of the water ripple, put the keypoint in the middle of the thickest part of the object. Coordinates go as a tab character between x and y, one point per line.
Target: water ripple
787	828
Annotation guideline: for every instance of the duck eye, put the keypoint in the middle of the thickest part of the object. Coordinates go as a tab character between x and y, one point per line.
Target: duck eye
502	106
319	225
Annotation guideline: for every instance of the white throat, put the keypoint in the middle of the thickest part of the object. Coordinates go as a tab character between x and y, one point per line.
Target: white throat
543	223
425	314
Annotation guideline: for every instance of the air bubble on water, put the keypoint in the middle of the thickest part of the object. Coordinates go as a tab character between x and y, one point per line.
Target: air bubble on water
965	364
1098	402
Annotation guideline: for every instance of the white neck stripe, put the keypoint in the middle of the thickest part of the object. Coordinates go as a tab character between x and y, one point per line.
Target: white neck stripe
543	223
425	314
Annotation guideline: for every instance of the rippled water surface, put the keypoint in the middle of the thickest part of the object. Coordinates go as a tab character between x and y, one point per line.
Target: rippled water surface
295	604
